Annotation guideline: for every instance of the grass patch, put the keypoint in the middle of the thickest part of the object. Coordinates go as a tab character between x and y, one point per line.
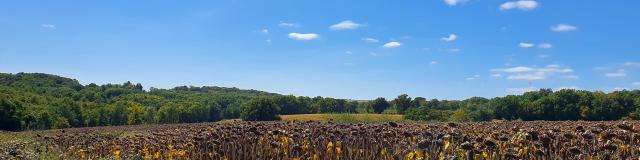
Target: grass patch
343	117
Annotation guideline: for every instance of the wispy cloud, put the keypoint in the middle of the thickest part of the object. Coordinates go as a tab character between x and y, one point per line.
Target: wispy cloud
372	40
525	5
615	74
570	77
563	28
525	45
48	26
532	73
286	24
631	64
454	2
619	88
528	76
265	31
530	45
346	25
568	87
545	45
451	37
433	62
474	77
392	45
520	90
513	69
303	36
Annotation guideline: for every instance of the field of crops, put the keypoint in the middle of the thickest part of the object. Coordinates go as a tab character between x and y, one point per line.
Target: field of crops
316	140
344	117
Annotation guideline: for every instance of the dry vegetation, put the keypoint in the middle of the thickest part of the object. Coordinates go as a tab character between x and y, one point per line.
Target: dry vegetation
345	117
316	140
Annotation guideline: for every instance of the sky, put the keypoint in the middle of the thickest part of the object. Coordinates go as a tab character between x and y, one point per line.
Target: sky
444	49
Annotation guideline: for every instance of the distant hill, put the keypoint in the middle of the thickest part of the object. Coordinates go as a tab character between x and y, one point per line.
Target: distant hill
38	81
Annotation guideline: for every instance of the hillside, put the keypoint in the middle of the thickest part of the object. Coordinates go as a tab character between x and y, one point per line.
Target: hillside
42	101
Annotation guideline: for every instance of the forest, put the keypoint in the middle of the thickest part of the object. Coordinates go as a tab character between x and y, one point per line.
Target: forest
37	101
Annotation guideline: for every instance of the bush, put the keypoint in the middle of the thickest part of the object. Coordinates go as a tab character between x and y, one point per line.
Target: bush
260	109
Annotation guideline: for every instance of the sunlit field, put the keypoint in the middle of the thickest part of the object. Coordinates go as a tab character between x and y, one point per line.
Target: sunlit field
317	140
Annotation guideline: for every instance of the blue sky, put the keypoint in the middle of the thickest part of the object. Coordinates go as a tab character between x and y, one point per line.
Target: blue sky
445	49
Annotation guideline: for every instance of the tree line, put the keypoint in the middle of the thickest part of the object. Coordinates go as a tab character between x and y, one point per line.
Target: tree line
544	104
33	101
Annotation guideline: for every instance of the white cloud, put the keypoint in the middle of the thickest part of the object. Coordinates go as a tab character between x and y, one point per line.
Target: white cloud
632	64
570	77
392	45
525	5
454	2
545	45
528	76
433	62
474	77
451	37
556	70
520	90
454	50
497	75
268	40
285	24
48	26
615	74
346	25
513	69
529	73
348	52
553	66
372	40
567	87
265	31
303	36
563	28
547	69
619	89
526	45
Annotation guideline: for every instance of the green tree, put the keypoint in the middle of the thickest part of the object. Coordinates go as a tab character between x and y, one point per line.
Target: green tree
119	114
379	105
461	115
9	114
402	102
418	101
260	109
135	114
